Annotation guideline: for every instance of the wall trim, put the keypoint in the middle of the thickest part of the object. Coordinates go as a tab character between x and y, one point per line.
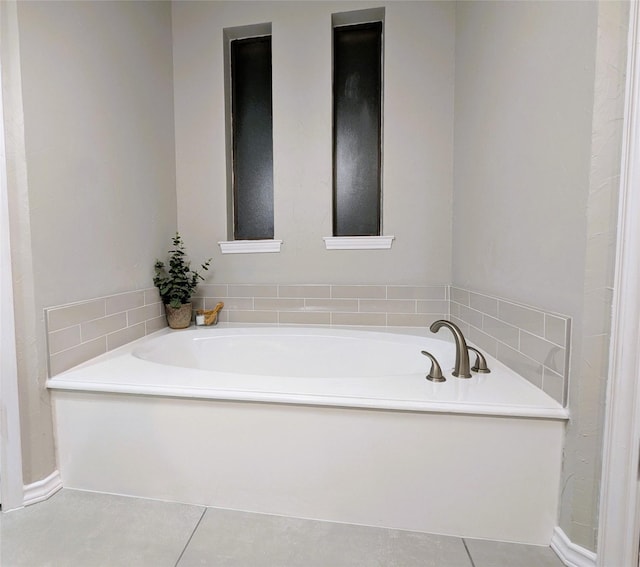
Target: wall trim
42	489
569	553
250	246
11	493
619	522
358	242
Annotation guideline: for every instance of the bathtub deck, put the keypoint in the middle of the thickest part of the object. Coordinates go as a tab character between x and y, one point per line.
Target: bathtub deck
500	393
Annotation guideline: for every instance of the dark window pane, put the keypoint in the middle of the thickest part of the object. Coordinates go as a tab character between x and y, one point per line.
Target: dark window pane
357	104
252	138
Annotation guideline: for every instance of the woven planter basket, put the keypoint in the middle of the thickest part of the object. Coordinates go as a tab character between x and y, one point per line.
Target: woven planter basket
178	318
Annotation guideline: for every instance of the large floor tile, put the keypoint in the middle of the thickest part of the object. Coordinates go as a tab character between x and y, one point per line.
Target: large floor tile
227	538
499	554
83	529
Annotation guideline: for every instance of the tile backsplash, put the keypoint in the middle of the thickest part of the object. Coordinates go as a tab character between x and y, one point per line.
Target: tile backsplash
369	305
77	332
532	342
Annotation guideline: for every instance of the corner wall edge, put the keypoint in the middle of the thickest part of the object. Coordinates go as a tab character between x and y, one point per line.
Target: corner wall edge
42	489
570	553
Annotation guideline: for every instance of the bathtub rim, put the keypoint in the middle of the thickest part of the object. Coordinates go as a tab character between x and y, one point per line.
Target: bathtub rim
553	411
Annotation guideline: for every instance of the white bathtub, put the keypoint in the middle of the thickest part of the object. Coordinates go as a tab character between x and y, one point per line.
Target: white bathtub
329	424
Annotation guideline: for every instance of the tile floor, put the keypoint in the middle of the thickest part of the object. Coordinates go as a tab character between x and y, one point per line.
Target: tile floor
84	529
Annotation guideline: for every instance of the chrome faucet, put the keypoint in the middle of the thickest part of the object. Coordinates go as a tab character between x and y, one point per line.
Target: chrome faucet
461	369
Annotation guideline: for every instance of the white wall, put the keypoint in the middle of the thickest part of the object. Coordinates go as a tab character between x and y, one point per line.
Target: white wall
524	100
98	111
583	457
537	154
418	143
97	88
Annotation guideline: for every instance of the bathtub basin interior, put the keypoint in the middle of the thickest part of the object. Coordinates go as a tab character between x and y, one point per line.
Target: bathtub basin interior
291	353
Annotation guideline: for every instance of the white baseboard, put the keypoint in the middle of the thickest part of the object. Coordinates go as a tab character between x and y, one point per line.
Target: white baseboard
42	489
569	553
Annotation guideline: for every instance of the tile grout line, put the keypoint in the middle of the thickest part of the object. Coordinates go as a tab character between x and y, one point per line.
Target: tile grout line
191	537
468	552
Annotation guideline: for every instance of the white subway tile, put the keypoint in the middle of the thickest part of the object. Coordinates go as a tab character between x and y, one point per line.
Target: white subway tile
359	319
432	306
71	357
124	301
124	336
303	291
278	304
103	326
343	305
487	305
253	316
431	292
523	365
153	325
65	316
141	314
359	291
555	329
387	306
459	296
250	290
522	317
412	319
501	331
64	339
549	354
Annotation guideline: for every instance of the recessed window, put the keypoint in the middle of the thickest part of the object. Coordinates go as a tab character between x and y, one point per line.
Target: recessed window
357	123
250	133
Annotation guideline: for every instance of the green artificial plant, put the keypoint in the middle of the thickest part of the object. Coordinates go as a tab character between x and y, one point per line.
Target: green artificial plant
177	283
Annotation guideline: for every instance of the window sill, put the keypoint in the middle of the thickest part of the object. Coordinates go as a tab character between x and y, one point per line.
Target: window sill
250	246
358	242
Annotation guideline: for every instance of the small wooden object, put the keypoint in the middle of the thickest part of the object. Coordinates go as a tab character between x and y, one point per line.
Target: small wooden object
211	315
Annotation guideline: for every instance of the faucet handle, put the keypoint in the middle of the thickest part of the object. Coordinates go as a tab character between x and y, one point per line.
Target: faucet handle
435	374
481	362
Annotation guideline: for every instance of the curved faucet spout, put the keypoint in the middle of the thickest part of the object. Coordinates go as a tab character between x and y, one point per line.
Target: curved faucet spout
461	369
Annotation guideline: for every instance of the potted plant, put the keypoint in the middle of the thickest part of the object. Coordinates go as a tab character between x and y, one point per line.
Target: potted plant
177	284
